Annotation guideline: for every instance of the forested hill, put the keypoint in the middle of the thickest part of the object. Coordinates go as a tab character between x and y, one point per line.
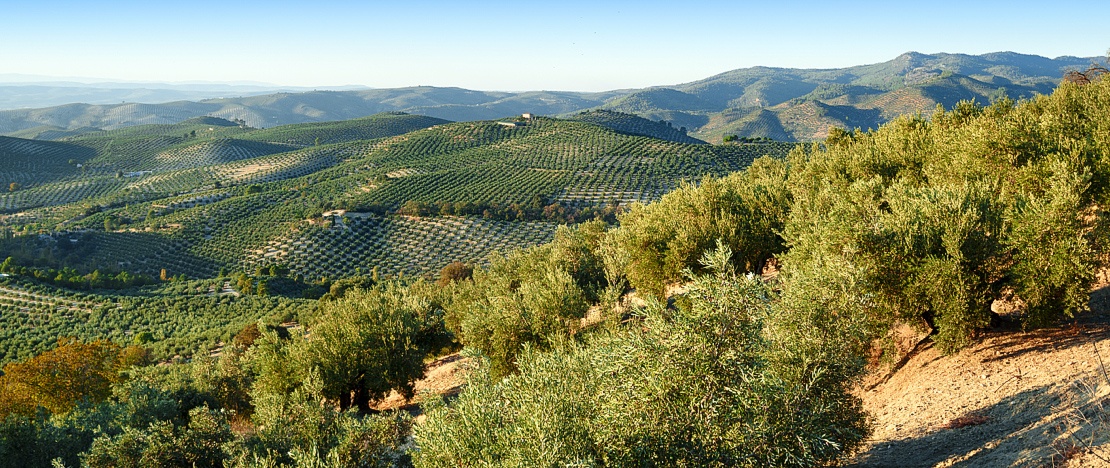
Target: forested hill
799	104
781	103
636	125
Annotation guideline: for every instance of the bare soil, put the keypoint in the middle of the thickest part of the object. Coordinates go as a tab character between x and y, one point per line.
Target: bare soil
443	377
1014	398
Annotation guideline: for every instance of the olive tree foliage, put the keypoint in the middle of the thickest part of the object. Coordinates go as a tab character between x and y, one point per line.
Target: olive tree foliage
746	210
940	218
298	428
363	346
200	443
535	297
311	394
174	415
708	384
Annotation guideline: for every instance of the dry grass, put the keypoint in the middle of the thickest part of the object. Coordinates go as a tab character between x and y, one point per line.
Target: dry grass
966	421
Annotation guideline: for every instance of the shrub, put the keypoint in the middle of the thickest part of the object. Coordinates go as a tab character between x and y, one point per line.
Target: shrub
700	386
60	378
368	343
941	218
454	271
746	210
199	444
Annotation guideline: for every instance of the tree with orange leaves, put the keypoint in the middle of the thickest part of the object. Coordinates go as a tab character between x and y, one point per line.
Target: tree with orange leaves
59	378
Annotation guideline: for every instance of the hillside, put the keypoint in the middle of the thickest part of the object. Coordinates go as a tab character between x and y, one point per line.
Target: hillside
393	194
864	96
241	202
781	103
1010	399
930	293
636	125
290	108
326	133
181	317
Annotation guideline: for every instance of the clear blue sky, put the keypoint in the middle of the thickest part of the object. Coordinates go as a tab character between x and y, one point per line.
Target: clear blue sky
515	45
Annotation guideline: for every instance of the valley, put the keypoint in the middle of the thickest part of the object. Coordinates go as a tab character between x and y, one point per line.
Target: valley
393	194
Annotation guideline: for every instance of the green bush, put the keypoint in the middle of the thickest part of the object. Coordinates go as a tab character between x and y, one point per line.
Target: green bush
699	386
746	210
534	297
296	428
941	218
369	343
199	444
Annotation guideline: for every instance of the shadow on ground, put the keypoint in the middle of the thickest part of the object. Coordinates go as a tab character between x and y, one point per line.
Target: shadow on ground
1052	424
1040	426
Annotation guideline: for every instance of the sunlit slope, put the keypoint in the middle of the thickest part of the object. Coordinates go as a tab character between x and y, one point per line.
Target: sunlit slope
202	207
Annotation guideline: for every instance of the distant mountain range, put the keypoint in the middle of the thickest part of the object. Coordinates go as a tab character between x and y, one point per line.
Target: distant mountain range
780	103
32	91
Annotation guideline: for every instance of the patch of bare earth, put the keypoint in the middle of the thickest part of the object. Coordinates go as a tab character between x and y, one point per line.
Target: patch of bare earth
1012	399
247	170
443	377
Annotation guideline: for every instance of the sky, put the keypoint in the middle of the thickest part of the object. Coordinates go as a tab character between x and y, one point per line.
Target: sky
514	45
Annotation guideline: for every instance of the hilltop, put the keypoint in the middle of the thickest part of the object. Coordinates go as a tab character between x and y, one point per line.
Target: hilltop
799	104
635	125
784	104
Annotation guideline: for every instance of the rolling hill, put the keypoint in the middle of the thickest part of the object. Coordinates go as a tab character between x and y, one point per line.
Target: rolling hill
749	102
635	125
758	101
235	197
207	198
288	108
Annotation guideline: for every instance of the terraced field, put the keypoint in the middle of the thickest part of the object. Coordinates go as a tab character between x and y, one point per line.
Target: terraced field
148	162
570	162
198	207
33	162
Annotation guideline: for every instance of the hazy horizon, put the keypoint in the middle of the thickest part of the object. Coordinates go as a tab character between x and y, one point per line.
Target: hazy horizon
569	46
10	79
